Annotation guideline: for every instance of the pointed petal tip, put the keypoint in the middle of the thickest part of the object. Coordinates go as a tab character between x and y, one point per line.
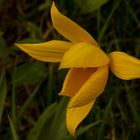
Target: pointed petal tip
68	28
61	93
76	115
21	45
51	51
60	67
53	3
16	44
53	9
53	6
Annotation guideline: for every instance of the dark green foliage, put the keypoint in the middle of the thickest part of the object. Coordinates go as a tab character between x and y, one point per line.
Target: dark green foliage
30	107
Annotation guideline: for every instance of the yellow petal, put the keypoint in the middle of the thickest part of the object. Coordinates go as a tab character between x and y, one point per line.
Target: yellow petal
92	88
75	79
51	51
124	66
68	28
75	116
84	55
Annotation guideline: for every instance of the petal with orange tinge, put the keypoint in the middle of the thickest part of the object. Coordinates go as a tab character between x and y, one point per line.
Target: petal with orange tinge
83	55
75	79
69	29
51	51
75	115
92	88
124	66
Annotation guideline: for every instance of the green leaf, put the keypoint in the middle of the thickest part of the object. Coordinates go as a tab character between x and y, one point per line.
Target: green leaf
51	125
29	73
88	6
13	131
39	125
3	93
58	128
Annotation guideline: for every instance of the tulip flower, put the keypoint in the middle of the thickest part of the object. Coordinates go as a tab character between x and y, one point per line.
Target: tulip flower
88	66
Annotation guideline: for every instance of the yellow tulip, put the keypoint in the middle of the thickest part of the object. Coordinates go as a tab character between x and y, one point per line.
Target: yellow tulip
88	65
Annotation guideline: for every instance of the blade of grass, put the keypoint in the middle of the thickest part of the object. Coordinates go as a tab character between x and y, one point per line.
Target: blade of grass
98	20
132	107
3	93
13	131
120	107
81	130
117	46
101	128
133	14
113	134
105	26
50	86
27	103
13	100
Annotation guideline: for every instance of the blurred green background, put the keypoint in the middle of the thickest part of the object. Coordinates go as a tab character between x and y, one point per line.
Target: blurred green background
30	108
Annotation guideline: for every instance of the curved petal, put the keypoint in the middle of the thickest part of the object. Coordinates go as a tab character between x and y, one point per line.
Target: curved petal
76	115
92	88
75	79
124	66
51	51
84	55
69	29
